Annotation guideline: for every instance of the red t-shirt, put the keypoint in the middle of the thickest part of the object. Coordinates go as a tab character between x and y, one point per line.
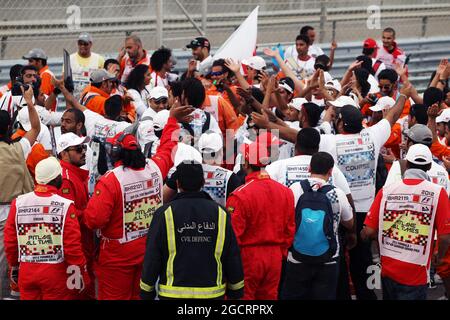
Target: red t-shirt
404	272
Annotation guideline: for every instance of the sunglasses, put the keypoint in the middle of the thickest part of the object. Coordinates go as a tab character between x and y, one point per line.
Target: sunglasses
79	149
218	73
387	86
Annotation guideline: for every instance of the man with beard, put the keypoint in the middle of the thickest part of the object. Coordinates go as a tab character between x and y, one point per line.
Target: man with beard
131	55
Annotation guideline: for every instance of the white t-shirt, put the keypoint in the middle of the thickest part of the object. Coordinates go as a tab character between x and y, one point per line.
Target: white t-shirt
357	157
26	149
339	203
44	138
313	50
292	170
302	69
139	103
381	67
437	174
373	84
93	120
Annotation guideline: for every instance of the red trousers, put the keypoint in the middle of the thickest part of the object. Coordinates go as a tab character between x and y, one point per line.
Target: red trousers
262	272
119	269
118	283
38	281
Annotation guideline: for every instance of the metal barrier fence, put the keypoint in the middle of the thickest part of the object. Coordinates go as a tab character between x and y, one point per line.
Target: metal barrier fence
54	24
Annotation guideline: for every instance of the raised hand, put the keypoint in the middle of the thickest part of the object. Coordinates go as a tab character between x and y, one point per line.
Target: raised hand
233	66
355	65
181	113
271	53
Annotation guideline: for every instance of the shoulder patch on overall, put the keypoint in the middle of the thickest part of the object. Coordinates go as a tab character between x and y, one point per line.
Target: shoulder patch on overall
230	209
73	215
65	190
97	192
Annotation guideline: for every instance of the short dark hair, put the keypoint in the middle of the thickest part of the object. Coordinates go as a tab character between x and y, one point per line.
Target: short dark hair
14	72
368	51
303	37
305	29
324	61
110	61
194	92
419	111
432	95
113	106
221	63
308	140
136	79
159	58
313	112
321	163
190	176
78	114
390	30
423	167
388	74
28	67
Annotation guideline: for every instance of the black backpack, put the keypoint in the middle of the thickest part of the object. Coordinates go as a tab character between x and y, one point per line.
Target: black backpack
315	240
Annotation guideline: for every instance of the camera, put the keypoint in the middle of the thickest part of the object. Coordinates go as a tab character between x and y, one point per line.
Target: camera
15	90
372	98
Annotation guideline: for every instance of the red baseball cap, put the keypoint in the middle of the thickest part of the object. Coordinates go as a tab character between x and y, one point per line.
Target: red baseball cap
257	153
128	142
269	139
369	43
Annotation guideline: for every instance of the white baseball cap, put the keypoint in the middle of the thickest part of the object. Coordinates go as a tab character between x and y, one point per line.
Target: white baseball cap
69	139
444	116
342	101
47	170
160	120
186	153
24	118
297	103
384	103
211	141
255	62
145	132
419	154
334	84
159	92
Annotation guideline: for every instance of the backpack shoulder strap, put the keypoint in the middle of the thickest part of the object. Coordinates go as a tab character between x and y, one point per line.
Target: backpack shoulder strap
326	188
305	185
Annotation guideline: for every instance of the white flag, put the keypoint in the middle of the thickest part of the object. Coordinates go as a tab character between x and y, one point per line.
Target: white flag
242	43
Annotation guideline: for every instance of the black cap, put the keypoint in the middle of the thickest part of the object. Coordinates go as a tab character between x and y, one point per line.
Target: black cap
352	119
199	42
